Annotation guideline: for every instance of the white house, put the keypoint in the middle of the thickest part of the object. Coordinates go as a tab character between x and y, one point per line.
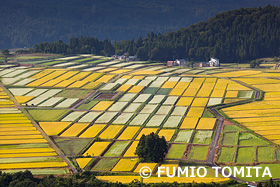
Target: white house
214	62
180	62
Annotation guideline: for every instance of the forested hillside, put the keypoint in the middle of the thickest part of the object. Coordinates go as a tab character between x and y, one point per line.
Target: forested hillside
237	35
25	23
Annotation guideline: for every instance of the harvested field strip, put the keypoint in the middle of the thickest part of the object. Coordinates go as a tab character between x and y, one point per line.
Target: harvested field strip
111	131
125	165
102	105
117	106
156	121
97	148
131	150
92	131
148	109
127	97
139	119
106	117
184	136
73	116
206	123
179	111
75	129
173	122
89	117
128	133
164	110
142	98
53	128
123	118
33	165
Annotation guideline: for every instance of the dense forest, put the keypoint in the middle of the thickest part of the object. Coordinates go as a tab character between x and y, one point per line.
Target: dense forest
237	35
25	23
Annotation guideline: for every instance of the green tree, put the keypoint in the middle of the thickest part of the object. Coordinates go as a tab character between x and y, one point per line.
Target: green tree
151	148
5	52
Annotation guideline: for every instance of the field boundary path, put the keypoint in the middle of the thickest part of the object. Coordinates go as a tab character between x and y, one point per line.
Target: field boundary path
52	144
212	152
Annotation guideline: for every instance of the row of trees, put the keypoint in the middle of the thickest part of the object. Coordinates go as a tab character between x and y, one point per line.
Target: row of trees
238	35
82	45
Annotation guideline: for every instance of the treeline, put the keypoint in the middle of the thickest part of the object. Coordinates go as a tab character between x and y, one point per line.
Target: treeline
238	35
82	45
87	179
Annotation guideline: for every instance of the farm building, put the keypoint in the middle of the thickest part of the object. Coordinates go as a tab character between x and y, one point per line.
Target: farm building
177	62
214	62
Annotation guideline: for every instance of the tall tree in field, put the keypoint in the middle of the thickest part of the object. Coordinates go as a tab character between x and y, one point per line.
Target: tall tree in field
151	148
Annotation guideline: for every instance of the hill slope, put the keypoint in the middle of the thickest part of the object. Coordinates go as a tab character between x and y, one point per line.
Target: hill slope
24	23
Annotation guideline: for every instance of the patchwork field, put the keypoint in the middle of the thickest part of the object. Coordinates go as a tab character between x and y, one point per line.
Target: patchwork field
94	110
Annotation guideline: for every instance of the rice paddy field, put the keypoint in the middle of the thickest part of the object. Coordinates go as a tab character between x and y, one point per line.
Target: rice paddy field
93	110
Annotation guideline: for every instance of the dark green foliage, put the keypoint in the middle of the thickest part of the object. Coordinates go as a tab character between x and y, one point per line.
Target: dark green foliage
151	148
82	45
238	35
5	52
88	179
255	64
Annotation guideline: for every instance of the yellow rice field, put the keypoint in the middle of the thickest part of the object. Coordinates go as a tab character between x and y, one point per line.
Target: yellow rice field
146	131
195	112
33	165
111	131
26	150
128	133
124	88
136	89
231	94
125	165
184	101
200	102
23	99
75	129
53	128
130	151
169	84
97	148
92	131
206	123
189	123
166	133
83	162
102	105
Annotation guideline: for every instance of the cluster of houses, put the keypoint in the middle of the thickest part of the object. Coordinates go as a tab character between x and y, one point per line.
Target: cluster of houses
214	62
124	57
